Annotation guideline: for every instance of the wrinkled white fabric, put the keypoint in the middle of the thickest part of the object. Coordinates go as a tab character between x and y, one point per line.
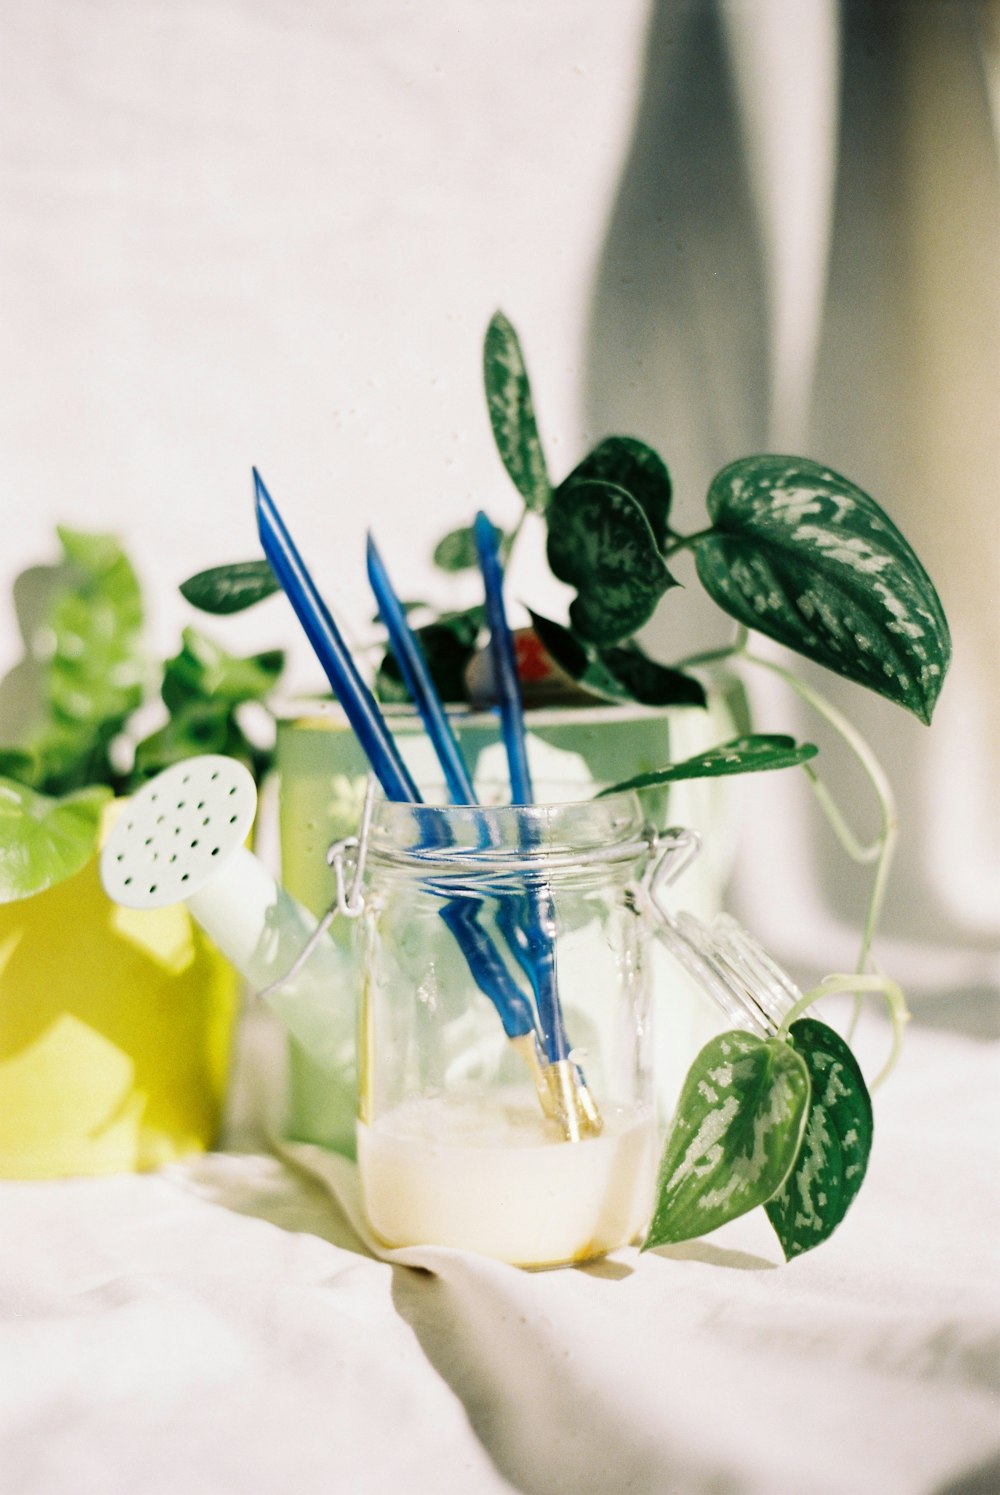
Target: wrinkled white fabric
221	1327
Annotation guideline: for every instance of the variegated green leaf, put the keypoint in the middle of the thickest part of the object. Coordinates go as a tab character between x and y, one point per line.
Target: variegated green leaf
806	557
600	543
230	589
512	413
755	753
734	1137
832	1160
44	840
625	462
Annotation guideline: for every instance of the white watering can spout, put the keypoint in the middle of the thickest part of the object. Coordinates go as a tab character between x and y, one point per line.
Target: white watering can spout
181	839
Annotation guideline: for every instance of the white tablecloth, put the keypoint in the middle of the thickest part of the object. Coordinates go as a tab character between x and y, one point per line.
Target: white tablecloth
220	1328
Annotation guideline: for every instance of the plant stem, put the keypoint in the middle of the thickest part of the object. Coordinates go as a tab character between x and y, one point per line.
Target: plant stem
687	542
882	849
716	656
898	1011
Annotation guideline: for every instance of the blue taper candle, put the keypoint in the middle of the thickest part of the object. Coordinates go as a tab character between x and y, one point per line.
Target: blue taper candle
351	691
534	938
362	710
507	688
413	665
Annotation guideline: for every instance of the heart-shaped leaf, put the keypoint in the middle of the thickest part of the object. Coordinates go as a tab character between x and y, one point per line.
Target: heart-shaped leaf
45	840
230	589
456	551
625	462
755	753
735	1135
204	671
512	413
600	542
806	557
836	1144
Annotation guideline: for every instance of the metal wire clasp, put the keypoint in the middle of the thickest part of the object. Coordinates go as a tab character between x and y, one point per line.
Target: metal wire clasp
347	858
671	853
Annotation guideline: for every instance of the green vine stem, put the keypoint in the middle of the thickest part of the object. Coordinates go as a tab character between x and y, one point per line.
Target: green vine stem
882	849
858	985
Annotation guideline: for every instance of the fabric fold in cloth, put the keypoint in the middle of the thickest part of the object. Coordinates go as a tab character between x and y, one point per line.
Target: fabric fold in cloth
225	1325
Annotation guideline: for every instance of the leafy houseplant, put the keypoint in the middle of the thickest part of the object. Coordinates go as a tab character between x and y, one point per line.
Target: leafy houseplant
92	680
793	551
115	1025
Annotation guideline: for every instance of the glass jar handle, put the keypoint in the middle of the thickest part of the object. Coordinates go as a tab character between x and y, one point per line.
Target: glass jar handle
727	963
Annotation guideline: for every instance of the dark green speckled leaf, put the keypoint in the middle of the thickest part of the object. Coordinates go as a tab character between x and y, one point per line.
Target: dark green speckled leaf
836	1145
625	462
755	753
512	413
600	543
806	557
232	588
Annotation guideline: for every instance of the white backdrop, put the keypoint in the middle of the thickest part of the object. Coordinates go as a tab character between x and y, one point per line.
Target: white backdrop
244	231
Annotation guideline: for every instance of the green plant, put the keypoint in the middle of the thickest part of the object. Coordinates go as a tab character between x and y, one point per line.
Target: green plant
799	554
91	678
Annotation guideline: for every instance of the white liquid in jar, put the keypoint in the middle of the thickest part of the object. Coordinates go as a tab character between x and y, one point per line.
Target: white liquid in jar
489	1173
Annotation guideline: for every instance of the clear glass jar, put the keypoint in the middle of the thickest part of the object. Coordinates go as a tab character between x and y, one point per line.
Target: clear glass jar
537	1147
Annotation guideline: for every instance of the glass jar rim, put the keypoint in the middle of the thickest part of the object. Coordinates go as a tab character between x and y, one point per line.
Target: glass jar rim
543	836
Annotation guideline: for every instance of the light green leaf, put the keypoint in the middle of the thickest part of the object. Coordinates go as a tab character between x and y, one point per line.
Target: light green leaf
755	753
734	1137
836	1145
600	543
456	551
89	660
232	588
512	413
45	840
627	463
204	671
806	557
194	727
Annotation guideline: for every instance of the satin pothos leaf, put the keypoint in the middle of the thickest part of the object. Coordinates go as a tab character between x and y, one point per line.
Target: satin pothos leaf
600	542
806	557
512	413
756	753
627	463
232	588
836	1144
734	1137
